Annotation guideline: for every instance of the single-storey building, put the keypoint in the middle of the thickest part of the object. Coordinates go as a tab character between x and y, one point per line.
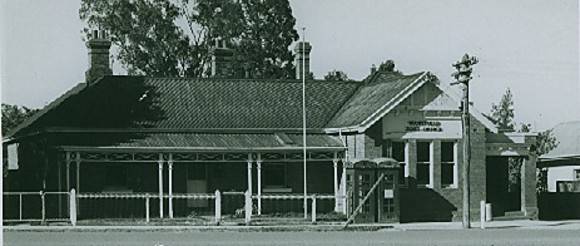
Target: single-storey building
561	169
176	136
563	162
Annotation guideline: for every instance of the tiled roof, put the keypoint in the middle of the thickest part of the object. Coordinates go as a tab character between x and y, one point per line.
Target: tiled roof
136	102
375	92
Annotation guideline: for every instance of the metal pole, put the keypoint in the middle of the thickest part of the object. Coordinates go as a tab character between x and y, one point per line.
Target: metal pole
304	119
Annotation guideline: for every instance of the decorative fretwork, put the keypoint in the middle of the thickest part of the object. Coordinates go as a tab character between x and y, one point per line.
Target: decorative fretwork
321	155
93	156
295	156
120	156
147	156
272	156
98	156
236	156
210	156
184	157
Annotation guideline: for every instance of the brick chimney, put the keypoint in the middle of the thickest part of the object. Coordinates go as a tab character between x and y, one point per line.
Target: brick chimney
98	45
221	60
302	50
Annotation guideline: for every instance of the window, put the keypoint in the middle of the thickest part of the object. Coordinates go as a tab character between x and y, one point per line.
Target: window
274	175
398	153
577	174
423	163
448	175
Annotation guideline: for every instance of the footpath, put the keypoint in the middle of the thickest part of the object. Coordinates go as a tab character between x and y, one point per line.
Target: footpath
328	226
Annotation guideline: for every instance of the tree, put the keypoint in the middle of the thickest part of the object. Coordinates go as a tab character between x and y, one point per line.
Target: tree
502	114
14	115
545	142
389	66
336	75
173	37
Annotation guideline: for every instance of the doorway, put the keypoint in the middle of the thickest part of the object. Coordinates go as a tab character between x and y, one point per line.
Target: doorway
503	184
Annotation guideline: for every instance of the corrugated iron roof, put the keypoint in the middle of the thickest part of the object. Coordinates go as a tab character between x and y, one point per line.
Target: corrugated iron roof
202	141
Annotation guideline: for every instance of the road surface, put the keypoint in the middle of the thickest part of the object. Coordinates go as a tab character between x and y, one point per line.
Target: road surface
389	237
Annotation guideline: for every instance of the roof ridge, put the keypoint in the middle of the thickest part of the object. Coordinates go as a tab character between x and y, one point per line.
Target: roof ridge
247	80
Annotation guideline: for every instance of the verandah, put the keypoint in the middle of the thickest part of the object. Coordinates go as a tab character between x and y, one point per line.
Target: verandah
171	163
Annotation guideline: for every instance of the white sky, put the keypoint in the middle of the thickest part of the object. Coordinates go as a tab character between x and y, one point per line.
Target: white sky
530	46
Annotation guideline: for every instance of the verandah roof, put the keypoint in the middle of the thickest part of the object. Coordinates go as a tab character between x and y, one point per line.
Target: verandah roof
202	141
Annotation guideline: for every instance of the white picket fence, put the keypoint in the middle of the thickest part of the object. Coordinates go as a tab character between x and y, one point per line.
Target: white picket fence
73	200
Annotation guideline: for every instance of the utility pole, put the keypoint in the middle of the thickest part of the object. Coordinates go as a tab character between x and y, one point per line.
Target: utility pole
463	76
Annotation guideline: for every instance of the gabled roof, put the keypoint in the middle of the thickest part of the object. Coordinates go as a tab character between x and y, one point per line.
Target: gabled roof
377	93
382	92
178	103
131	102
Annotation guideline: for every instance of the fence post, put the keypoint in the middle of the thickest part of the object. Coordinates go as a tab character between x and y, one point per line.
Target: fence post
20	206
218	207
248	208
147	207
488	214
73	207
313	212
482	214
43	206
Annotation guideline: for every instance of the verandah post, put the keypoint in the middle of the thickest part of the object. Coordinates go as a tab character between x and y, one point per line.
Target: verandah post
335	172
170	203
259	169
72	198
160	163
218	207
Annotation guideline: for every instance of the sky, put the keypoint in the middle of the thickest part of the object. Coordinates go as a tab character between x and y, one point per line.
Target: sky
528	46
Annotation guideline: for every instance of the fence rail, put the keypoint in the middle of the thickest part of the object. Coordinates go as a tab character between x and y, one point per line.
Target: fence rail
32	207
72	199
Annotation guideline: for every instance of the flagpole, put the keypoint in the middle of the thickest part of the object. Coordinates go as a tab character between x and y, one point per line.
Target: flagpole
304	120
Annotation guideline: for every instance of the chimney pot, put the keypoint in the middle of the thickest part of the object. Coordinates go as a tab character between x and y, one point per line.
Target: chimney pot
221	60
98	56
302	58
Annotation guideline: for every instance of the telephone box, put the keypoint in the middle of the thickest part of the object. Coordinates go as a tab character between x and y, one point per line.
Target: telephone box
382	205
